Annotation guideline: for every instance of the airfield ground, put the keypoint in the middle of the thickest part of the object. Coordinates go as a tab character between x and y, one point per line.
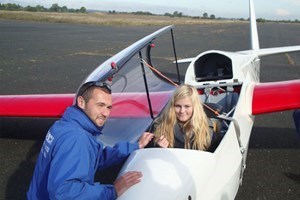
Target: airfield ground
45	58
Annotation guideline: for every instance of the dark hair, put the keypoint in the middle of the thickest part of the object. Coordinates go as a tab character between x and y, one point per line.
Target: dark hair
86	88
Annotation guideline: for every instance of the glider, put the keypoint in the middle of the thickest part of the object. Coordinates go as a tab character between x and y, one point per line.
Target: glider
141	89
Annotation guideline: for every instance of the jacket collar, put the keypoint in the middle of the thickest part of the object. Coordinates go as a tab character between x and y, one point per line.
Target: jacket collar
78	116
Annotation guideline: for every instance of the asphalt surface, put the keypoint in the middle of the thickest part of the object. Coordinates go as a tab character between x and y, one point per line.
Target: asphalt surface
55	58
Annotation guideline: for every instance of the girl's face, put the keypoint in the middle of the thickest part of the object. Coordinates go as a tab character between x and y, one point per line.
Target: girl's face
183	109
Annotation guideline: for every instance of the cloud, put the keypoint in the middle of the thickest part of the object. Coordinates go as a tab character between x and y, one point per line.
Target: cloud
294	2
282	12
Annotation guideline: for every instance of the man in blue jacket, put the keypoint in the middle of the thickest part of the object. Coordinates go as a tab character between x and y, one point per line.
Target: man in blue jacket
71	152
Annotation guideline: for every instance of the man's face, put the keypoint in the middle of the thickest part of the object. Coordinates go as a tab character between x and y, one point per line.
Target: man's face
98	107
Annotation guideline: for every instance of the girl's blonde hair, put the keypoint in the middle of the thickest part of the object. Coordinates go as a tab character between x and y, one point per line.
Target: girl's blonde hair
195	129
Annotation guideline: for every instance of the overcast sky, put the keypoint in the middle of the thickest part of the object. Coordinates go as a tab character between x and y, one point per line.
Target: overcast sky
267	9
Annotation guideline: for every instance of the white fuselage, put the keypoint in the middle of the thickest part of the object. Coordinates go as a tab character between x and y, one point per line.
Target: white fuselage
190	174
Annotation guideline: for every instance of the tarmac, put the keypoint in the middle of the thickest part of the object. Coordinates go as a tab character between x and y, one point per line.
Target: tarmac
44	58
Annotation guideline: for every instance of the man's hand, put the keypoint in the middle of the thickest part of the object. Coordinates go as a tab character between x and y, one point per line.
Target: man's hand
145	139
126	181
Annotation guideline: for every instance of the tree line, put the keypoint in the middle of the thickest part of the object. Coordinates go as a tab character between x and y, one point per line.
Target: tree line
54	8
174	14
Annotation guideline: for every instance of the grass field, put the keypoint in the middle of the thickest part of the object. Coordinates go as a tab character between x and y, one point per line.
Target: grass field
100	18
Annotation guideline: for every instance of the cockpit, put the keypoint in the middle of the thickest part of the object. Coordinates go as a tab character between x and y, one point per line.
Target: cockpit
212	67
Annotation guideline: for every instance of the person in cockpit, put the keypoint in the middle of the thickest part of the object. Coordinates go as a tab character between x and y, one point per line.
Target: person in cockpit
183	123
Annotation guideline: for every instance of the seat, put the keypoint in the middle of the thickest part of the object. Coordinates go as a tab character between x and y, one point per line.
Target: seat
211	109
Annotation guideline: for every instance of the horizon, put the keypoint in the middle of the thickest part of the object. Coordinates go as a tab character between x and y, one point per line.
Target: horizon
268	9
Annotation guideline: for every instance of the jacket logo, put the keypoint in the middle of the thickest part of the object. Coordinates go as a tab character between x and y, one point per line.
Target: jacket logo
48	141
49	138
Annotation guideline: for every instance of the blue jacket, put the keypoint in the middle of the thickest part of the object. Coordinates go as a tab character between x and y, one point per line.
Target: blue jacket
69	158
